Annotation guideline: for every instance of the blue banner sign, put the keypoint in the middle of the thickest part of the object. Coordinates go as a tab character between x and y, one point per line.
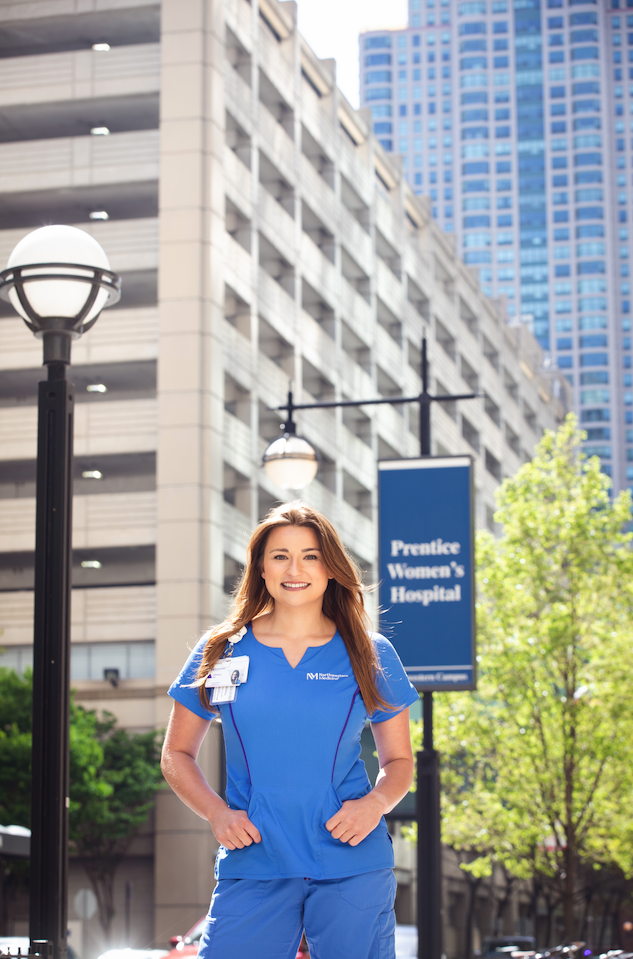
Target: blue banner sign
427	594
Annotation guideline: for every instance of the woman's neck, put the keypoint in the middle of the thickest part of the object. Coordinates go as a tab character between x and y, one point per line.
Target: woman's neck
307	625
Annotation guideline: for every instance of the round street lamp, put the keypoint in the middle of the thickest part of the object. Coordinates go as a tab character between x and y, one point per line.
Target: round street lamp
290	462
58	279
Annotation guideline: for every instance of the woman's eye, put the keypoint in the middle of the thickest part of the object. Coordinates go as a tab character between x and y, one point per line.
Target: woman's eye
280	556
311	556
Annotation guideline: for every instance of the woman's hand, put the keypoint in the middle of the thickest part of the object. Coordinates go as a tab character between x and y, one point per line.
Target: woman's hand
356	818
233	829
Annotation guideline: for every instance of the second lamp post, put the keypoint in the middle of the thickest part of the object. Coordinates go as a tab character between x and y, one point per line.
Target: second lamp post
291	463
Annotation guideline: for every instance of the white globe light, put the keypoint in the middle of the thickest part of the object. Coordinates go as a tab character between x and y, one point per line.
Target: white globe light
290	462
59	298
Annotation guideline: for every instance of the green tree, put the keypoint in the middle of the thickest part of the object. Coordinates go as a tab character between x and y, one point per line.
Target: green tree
15	780
108	805
536	767
114	776
15	748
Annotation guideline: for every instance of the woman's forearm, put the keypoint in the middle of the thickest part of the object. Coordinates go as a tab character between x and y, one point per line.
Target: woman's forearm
393	782
231	827
187	780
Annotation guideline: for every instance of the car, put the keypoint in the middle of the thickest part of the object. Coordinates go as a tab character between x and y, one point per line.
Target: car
188	945
134	954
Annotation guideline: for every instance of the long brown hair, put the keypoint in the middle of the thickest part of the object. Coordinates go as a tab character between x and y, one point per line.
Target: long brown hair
343	600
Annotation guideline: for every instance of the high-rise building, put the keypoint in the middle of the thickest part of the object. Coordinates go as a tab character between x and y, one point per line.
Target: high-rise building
263	235
511	116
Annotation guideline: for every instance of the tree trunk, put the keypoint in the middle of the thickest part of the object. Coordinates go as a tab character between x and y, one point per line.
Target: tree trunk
473	886
603	922
502	903
101	875
588	900
568	892
552	902
533	915
615	925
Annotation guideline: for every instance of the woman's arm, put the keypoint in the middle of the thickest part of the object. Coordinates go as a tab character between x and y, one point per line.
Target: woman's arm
358	817
185	733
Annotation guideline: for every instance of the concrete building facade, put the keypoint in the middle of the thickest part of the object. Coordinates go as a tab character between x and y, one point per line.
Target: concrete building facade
511	116
263	236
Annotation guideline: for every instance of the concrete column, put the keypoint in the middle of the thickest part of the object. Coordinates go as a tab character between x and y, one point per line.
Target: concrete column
189	566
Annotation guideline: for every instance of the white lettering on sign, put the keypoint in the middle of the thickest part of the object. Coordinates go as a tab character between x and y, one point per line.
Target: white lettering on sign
439	677
404	571
439	594
437	547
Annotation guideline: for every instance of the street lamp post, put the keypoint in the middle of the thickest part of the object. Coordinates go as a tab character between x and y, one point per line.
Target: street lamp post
429	850
58	279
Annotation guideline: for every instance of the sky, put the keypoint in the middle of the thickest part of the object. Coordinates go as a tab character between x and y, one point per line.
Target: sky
331	27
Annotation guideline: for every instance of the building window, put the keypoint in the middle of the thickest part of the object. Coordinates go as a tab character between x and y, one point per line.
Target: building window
472	8
378	76
378	93
373	42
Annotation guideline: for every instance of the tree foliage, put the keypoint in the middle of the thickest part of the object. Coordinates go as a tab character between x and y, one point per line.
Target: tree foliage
107	809
536	765
114	776
16	700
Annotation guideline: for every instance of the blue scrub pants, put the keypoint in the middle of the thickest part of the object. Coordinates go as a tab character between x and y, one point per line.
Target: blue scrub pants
349	918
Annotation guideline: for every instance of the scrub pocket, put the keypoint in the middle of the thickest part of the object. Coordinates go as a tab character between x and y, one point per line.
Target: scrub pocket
369	890
261	855
232	900
235	897
331	806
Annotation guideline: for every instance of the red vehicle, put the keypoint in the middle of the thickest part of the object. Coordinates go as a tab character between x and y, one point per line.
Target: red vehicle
188	945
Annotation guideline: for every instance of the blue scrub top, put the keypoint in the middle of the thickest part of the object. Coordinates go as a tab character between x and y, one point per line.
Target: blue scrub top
292	740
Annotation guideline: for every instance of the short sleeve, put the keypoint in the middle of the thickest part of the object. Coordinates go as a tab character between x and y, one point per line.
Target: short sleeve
181	689
393	683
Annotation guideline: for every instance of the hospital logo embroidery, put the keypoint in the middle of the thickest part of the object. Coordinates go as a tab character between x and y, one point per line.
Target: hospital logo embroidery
327	676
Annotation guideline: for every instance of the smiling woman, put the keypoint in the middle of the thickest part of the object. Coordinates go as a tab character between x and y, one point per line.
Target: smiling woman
299	803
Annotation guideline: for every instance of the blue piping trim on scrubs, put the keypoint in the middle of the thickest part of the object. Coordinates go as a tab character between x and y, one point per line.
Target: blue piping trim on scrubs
242	745
342	731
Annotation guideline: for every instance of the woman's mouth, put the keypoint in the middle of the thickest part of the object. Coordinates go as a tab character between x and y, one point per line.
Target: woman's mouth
295	585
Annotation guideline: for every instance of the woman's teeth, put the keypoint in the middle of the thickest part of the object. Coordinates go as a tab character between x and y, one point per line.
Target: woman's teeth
295	585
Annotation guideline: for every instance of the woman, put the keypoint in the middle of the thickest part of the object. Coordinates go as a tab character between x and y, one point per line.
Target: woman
303	840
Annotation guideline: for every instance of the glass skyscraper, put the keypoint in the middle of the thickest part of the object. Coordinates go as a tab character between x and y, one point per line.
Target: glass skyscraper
512	116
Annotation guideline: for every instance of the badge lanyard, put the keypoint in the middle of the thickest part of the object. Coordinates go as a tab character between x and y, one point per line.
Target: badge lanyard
228	673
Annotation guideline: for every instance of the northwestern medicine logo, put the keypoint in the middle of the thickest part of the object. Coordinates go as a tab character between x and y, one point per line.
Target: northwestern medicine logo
327	676
401	570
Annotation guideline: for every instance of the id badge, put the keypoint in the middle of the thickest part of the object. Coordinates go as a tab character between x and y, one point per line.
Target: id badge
225	677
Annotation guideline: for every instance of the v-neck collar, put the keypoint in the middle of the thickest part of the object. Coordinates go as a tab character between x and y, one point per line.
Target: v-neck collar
310	652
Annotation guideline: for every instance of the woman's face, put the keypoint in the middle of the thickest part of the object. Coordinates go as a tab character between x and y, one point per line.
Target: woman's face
293	566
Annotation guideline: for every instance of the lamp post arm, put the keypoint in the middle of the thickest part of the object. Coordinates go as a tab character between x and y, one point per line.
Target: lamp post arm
329	404
445	398
392	400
